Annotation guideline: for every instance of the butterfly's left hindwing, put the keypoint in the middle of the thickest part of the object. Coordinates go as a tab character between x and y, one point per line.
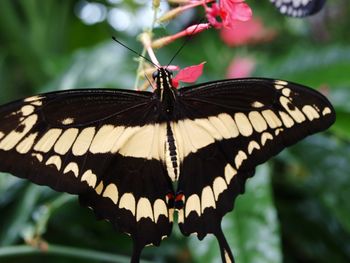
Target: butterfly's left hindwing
230	127
298	8
100	144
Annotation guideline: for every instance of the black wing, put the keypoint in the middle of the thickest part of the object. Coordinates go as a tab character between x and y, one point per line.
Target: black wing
298	8
100	144
224	130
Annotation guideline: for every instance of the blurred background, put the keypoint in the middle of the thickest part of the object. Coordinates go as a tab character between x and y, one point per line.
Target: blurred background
296	208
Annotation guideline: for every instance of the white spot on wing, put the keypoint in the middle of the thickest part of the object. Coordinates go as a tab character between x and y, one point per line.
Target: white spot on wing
105	138
55	160
159	209
209	126
266	136
72	167
287	121
99	188
297	115
230	172
243	124
111	192
90	178
257	121
278	131
83	142
253	145
25	146
68	121
127	201
144	209
66	141
207	198
310	112
230	125
240	157
271	118
221	127
219	186
326	111
193	204
257	104
27	110
286	92
47	140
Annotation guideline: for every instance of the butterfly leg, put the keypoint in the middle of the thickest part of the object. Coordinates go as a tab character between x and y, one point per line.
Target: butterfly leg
226	254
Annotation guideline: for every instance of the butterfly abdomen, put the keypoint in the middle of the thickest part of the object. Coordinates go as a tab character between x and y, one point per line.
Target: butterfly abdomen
171	155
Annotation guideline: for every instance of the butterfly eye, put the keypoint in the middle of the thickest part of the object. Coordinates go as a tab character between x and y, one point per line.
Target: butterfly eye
155	75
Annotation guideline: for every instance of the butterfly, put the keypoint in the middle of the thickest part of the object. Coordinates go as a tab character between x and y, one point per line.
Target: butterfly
137	157
298	8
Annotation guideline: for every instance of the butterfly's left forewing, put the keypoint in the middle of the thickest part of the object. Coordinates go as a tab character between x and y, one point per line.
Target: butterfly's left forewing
104	145
224	130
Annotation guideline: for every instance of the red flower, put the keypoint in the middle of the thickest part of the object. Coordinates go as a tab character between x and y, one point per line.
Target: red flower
227	13
188	75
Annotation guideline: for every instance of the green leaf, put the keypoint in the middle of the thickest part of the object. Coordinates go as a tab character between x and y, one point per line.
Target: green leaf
328	180
312	192
312	67
105	66
21	213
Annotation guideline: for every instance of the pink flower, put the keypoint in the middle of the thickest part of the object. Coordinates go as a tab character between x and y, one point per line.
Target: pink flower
236	10
191	30
227	13
252	31
213	13
188	75
241	67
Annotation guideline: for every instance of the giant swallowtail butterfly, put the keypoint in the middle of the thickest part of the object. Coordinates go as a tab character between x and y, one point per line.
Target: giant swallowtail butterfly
121	151
298	8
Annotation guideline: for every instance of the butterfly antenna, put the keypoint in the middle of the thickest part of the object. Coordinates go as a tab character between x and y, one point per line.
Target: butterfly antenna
120	43
185	42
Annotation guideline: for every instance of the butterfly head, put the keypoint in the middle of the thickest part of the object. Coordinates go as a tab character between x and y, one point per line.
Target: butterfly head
162	77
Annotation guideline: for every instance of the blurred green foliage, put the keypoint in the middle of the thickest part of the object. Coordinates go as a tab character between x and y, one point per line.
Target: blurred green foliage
296	208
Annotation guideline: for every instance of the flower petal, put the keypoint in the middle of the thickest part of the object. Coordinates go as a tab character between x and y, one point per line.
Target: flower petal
189	74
